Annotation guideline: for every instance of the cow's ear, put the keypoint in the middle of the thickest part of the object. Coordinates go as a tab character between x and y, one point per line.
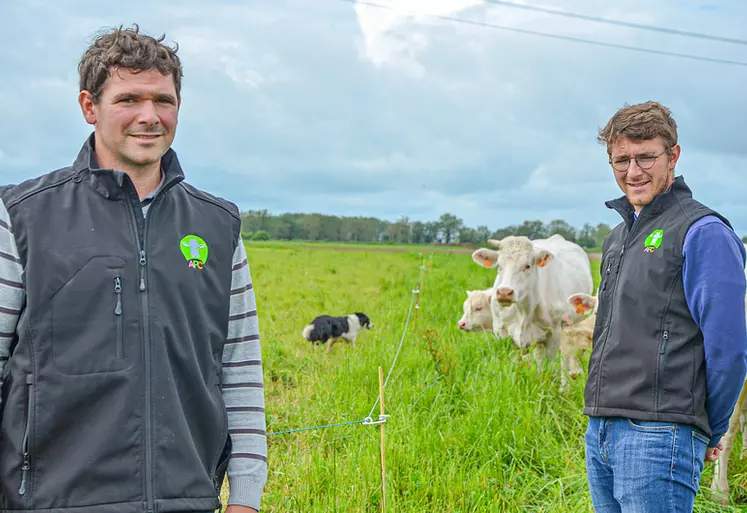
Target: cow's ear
485	257
582	303
542	257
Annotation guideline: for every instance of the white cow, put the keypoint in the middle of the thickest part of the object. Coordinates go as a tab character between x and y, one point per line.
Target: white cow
535	277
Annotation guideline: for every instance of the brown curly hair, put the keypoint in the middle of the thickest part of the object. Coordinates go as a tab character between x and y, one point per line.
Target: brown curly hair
126	49
640	122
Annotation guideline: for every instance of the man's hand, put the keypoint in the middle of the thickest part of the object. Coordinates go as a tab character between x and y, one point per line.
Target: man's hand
240	509
712	453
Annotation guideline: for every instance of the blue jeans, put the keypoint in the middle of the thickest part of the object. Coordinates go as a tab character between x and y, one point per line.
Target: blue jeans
636	466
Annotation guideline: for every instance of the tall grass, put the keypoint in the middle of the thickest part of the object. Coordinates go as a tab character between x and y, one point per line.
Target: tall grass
473	426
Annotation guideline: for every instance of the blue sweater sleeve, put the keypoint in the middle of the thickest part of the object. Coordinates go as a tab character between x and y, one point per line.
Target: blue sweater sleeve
714	283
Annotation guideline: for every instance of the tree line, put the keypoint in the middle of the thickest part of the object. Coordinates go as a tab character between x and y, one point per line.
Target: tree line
448	229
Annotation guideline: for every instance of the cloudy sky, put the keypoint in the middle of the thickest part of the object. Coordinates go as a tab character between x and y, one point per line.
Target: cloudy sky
326	106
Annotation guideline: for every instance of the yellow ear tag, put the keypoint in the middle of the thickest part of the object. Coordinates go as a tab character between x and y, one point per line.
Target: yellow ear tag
544	261
580	308
487	263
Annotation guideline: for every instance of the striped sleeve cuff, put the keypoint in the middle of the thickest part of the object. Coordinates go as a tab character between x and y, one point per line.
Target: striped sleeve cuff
245	492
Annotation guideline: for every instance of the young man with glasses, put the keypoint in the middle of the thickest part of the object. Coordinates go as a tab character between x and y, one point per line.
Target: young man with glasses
670	342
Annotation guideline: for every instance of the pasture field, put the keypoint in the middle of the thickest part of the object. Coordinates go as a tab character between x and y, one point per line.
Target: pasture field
473	427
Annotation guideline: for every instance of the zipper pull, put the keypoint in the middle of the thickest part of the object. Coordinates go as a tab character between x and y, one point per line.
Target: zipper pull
619	262
664	336
25	468
606	273
143	261
118	291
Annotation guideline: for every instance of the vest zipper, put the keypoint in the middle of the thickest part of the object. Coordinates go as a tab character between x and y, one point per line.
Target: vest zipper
146	353
118	315
26	467
143	262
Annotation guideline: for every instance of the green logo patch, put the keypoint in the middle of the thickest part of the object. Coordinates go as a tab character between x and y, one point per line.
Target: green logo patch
195	251
653	241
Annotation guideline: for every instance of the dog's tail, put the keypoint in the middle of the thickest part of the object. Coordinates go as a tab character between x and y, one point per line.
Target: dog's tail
308	331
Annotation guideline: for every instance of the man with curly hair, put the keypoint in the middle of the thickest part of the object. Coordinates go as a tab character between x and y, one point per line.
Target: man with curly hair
670	342
129	343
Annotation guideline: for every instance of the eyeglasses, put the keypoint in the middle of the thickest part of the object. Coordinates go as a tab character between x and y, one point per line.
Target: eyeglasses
644	160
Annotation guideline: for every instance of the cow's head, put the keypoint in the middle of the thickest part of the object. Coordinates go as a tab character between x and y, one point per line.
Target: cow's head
517	260
477	315
581	305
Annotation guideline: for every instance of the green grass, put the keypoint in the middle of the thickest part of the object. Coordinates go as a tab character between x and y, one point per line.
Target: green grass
473	427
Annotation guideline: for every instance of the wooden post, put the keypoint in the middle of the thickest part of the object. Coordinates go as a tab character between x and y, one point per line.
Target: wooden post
421	279
383	459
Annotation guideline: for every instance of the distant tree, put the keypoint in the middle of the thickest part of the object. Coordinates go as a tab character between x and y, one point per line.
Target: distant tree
398	232
744	239
468	235
417	232
502	233
602	231
561	228
587	236
330	228
261	235
482	234
450	226
381	228
532	229
430	232
312	225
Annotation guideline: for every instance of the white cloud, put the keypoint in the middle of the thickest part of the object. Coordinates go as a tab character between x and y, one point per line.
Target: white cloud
384	43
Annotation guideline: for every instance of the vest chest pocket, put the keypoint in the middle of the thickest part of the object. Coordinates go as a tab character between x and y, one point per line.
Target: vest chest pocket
89	318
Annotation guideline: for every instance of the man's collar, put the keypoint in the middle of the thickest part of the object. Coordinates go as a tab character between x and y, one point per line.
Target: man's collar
661	202
109	182
152	194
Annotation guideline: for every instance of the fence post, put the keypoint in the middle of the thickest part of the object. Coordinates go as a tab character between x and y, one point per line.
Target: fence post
383	459
418	292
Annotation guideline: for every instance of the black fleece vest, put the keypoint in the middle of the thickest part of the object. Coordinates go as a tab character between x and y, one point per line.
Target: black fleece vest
648	360
112	397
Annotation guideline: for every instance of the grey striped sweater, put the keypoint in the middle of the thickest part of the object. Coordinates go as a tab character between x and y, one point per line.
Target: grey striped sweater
243	392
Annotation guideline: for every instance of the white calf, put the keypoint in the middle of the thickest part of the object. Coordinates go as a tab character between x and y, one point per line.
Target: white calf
576	337
477	315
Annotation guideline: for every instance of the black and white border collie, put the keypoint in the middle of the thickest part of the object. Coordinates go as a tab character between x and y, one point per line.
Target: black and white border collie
326	329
